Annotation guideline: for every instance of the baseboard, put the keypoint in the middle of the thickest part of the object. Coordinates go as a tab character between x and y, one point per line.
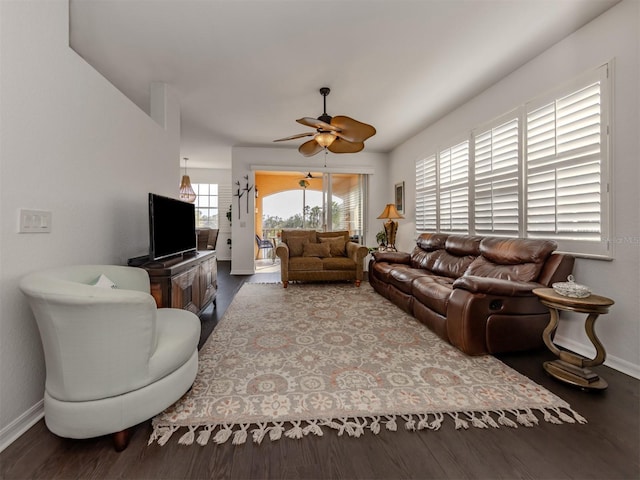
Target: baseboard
20	425
588	351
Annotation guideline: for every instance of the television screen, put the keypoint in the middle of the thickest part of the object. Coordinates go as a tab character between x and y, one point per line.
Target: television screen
172	227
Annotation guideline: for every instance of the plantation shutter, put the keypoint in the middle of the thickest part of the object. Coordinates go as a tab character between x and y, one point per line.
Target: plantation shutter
454	188
224	201
563	167
496	184
426	199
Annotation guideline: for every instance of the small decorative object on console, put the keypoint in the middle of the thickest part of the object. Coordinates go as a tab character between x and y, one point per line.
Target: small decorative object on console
571	288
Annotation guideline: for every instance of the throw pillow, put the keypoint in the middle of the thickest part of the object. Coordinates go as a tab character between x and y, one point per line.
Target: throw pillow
337	246
104	282
296	246
320	250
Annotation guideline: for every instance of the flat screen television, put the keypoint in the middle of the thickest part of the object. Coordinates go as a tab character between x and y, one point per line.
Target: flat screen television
172	227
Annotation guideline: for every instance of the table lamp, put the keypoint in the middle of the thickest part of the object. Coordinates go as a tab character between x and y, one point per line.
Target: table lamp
390	226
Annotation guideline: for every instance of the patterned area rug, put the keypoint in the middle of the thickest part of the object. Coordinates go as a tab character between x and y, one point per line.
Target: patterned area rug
299	360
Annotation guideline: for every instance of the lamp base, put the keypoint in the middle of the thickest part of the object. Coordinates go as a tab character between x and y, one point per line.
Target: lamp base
390	229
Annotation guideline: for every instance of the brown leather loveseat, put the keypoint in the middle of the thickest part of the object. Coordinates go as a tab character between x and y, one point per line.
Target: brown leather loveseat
474	292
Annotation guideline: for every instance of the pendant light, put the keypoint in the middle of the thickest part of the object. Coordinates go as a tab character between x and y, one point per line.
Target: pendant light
186	191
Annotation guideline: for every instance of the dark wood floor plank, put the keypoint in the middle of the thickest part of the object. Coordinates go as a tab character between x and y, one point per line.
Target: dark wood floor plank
608	447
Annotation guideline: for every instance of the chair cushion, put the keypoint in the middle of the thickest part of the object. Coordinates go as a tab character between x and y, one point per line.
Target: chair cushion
320	250
178	333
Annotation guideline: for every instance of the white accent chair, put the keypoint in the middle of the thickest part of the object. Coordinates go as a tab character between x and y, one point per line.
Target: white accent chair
113	359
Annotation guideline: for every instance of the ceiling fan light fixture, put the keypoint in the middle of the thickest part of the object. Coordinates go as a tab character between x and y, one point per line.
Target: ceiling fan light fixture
325	139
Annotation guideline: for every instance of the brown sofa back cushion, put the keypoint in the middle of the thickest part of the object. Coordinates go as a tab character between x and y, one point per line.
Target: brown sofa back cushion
511	258
428	248
337	246
446	255
320	250
295	240
343	234
337	242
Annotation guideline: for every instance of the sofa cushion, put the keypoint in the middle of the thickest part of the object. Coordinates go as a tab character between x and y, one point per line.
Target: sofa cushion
403	277
451	265
305	264
342	234
431	241
296	245
338	263
524	272
510	251
511	258
382	270
428	248
433	292
319	250
337	246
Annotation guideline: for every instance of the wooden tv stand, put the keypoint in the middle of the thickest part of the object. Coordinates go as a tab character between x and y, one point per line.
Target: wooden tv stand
189	282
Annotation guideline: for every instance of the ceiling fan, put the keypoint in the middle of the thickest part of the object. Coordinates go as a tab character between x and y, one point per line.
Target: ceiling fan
338	134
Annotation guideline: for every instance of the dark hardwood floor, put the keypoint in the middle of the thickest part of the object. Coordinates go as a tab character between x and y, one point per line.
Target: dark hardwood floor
608	447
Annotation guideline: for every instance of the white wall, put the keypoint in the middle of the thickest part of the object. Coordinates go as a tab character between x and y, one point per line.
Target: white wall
221	177
246	159
70	143
613	35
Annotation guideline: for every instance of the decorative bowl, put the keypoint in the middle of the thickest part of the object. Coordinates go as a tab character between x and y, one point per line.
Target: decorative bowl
571	288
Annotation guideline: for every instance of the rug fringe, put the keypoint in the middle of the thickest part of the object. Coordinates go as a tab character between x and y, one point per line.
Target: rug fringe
356	426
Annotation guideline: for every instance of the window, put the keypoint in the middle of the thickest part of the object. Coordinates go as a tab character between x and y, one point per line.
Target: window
496	179
453	207
541	171
207	212
426	194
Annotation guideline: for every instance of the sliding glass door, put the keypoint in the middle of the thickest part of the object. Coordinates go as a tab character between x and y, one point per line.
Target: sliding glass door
346	210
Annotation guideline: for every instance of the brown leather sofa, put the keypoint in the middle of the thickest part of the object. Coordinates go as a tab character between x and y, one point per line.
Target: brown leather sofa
474	292
307	255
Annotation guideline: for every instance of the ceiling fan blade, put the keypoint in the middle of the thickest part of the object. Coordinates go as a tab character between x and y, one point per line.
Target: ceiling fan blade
343	146
293	137
352	130
310	148
315	123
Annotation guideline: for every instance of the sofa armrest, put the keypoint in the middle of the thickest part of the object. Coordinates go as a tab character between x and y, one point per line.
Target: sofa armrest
357	253
282	251
392	257
495	286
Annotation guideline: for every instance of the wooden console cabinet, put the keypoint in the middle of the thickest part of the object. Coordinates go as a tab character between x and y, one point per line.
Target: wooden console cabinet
190	283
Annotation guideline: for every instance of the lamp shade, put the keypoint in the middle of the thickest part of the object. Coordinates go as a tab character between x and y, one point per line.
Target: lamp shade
186	190
390	212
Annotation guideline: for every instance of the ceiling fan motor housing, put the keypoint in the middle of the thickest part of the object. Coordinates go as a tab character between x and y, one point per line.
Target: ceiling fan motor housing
326	119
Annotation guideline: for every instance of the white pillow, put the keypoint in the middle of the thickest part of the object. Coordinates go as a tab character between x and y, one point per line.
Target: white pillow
104	282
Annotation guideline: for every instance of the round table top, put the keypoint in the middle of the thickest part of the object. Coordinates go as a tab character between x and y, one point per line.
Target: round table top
592	302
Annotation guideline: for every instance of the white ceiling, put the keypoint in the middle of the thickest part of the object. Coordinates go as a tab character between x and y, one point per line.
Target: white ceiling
244	70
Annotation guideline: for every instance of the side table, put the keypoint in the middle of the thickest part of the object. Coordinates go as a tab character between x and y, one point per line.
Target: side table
572	368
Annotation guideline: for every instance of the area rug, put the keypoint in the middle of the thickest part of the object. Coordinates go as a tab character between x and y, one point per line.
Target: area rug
298	361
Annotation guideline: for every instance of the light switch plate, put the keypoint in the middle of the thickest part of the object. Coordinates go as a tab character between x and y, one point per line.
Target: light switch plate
35	221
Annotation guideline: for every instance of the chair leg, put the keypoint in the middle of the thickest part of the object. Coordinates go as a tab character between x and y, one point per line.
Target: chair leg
285	284
357	283
121	439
